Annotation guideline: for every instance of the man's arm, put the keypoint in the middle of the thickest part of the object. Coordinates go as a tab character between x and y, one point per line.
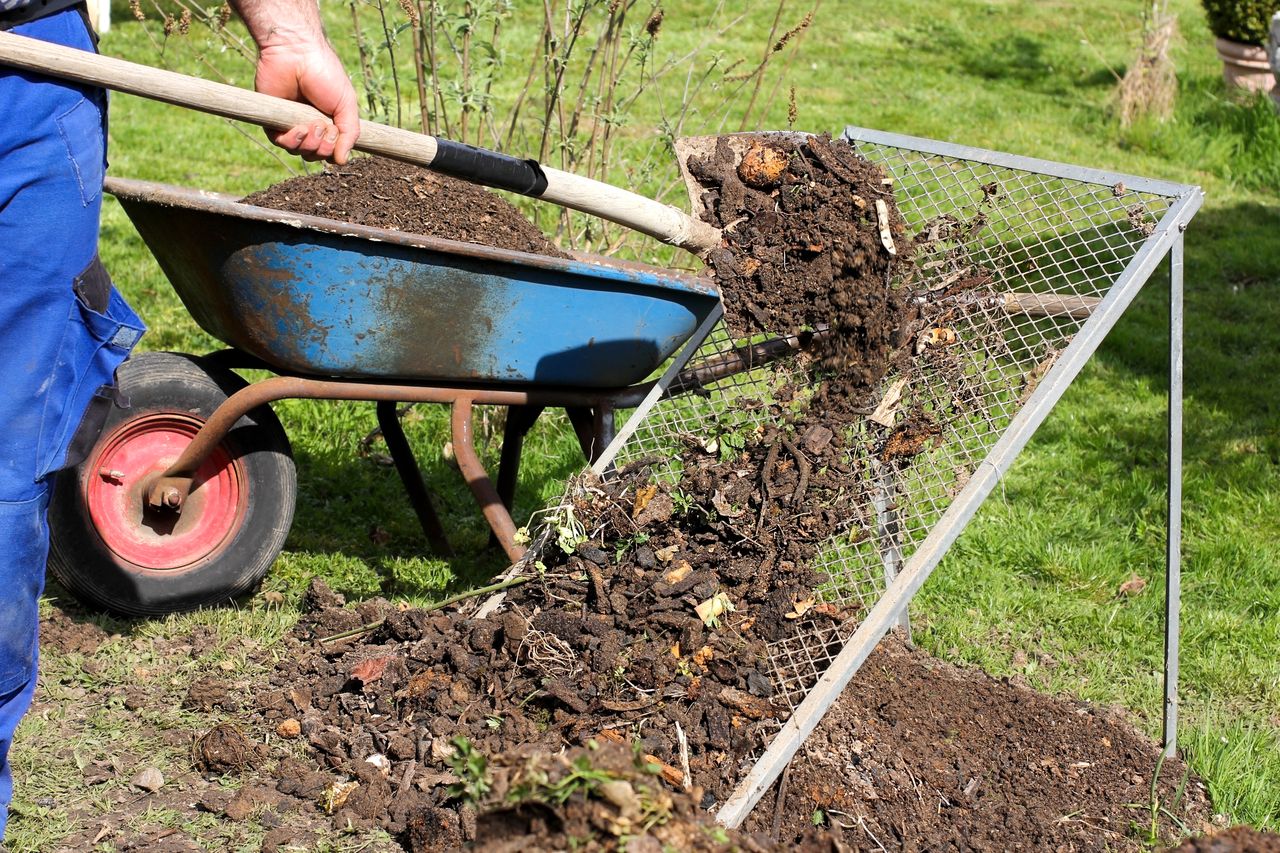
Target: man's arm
295	61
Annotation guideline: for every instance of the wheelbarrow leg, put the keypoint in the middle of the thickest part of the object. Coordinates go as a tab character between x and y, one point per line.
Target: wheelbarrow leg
411	476
594	426
520	419
495	512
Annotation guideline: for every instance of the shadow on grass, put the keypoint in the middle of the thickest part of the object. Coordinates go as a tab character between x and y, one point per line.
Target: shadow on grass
356	508
1025	61
1231	332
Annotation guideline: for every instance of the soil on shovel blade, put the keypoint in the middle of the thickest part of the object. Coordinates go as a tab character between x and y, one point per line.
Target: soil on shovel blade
812	239
388	194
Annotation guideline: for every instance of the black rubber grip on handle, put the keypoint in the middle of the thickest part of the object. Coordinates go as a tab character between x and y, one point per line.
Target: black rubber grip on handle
490	168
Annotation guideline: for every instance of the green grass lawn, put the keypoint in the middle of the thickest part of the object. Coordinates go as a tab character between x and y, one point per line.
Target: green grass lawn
1030	587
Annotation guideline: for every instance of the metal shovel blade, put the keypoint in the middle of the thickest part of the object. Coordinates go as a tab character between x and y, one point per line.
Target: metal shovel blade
705	146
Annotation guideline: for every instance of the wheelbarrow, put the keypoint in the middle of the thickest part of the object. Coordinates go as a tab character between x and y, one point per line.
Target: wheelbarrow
188	496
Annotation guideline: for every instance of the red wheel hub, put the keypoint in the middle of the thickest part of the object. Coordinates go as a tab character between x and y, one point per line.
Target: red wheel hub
119	474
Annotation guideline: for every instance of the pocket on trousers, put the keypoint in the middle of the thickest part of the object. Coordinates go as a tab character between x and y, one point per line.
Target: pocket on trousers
101	331
83	132
23	548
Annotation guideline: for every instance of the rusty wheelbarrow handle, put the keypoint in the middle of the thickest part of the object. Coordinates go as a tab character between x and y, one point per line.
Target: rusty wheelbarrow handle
477	165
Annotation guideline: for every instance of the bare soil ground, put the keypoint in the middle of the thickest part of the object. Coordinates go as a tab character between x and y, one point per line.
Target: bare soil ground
916	755
1237	839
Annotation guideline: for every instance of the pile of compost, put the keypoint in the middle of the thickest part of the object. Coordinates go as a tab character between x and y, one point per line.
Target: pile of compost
813	239
445	731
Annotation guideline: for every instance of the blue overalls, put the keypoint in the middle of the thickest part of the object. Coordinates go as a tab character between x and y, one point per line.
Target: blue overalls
63	332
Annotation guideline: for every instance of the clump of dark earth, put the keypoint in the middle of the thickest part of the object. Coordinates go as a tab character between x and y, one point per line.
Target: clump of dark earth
803	248
594	798
71	631
1237	839
388	194
223	749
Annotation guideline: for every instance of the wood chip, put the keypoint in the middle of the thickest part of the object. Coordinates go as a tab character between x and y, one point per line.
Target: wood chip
750	706
886	235
643	496
888	408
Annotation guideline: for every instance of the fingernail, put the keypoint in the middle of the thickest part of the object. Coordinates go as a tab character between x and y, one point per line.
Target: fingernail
331	136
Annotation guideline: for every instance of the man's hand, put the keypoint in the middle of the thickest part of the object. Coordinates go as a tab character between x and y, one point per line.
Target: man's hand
295	61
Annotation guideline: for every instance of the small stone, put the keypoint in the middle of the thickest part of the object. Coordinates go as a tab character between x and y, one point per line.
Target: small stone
149	780
592	554
646	557
289	728
623	796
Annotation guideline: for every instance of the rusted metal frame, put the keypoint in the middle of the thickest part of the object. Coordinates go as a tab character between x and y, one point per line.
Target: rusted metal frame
464	450
411	476
171	489
520	419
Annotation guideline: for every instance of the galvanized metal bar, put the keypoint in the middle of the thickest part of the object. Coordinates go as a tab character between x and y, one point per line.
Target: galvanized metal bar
656	392
411	477
1173	556
1015	161
882	616
888	539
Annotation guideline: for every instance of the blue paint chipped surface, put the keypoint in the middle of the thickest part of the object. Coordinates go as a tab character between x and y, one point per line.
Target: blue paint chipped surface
343	305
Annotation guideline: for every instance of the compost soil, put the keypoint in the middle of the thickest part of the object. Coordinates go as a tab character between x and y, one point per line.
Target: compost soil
388	194
807	247
921	755
1237	839
917	754
648	620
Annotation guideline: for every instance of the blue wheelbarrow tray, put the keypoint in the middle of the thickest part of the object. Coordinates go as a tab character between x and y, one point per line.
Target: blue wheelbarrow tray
314	296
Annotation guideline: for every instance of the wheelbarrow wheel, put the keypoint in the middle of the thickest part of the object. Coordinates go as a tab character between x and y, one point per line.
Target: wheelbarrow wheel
115	552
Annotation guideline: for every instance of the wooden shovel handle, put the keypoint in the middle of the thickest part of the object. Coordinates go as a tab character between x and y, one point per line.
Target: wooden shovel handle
478	165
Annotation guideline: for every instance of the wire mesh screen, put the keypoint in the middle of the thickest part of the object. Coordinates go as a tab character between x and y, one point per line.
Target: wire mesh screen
1010	264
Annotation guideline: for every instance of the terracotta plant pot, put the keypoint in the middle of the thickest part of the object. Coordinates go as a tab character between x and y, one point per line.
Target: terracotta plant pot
1245	66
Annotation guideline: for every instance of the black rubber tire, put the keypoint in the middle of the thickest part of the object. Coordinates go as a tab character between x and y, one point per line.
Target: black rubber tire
181	385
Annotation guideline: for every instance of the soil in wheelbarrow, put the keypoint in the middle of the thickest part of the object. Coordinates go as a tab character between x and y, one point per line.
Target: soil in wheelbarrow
388	194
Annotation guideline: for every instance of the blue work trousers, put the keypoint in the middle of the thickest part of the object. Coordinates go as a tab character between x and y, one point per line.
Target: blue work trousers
63	332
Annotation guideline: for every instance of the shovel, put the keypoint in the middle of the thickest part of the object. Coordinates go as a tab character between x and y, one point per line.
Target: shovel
689	147
470	163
